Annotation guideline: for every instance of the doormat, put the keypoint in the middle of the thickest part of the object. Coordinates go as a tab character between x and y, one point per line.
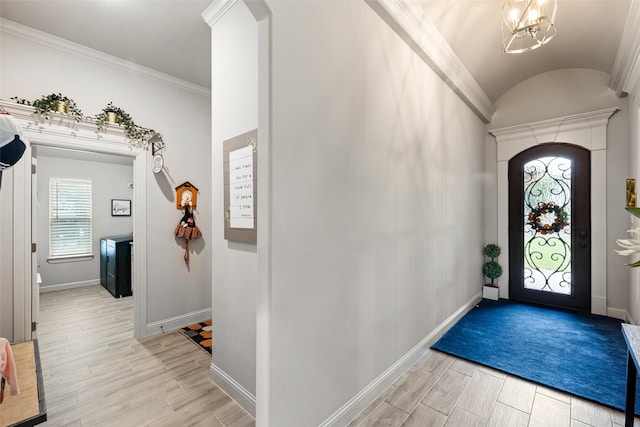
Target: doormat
581	354
199	333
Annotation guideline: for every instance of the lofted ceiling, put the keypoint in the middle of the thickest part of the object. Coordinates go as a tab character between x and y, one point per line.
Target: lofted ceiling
588	35
170	36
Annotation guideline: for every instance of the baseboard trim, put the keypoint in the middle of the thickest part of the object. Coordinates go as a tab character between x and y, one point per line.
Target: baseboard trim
234	389
176	322
71	285
618	313
367	395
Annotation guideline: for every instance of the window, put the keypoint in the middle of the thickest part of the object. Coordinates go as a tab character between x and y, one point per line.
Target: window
69	217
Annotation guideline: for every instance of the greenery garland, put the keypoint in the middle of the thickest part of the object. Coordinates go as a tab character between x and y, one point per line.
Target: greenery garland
46	105
560	221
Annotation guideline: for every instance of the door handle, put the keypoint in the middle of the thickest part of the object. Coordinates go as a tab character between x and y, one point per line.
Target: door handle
583	236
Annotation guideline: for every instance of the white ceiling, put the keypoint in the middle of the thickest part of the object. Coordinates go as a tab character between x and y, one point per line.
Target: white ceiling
170	35
165	35
588	35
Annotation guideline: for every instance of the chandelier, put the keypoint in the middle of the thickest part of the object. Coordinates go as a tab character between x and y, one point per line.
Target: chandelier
527	24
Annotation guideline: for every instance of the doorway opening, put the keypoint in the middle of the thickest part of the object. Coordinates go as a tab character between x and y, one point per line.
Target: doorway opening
110	177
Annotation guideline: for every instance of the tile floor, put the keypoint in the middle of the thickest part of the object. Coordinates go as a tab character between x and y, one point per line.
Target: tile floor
441	390
97	374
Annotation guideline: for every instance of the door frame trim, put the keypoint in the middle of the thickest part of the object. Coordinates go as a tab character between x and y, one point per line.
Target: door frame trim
64	133
587	130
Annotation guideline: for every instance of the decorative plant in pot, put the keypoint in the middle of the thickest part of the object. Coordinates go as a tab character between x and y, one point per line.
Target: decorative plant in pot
137	135
492	270
54	103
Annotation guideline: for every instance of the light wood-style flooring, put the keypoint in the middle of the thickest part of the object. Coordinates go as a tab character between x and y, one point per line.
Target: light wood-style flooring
441	390
96	374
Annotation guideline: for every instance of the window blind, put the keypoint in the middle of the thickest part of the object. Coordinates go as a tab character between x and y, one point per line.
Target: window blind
69	217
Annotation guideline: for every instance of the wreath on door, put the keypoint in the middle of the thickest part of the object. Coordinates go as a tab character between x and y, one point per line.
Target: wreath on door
560	221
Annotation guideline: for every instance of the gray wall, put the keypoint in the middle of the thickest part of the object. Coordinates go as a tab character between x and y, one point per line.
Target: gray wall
377	184
377	208
234	95
108	181
180	111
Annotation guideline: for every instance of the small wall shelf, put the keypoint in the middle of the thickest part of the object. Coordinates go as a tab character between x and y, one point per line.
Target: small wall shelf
634	211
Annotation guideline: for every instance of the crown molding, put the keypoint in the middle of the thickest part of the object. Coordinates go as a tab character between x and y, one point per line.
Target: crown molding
216	10
409	20
625	75
587	130
81	51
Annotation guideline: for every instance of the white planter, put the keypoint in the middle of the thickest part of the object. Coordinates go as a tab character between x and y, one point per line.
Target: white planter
490	292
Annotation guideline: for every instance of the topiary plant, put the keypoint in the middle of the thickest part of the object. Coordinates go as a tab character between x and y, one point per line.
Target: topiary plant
492	250
492	269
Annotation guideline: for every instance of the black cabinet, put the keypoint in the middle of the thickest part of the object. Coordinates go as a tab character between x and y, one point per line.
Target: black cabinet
115	265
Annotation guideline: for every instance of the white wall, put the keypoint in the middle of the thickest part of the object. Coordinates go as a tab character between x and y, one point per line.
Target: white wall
634	172
234	266
554	94
6	258
377	207
573	91
29	69
108	181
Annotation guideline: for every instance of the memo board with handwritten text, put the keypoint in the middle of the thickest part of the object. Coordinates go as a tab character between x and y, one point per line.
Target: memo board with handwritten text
240	187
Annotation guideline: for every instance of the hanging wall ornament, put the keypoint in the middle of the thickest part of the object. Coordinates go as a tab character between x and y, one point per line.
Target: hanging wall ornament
187	228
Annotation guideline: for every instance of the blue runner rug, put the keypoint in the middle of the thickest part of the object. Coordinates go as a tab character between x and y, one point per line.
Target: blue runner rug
581	354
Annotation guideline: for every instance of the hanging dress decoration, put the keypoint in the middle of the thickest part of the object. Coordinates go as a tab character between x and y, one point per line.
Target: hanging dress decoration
188	230
186	197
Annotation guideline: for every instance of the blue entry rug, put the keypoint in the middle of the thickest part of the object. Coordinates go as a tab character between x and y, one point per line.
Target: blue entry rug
581	354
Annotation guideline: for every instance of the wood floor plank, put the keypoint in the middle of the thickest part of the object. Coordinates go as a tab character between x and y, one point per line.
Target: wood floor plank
504	415
384	415
518	394
371	407
446	392
590	413
464	367
481	394
435	362
549	412
459	417
410	393
97	374
425	416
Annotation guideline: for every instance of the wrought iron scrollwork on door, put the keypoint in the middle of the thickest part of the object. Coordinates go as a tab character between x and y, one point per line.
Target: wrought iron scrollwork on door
547	209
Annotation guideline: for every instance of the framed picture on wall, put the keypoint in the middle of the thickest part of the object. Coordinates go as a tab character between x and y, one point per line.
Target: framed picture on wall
120	207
